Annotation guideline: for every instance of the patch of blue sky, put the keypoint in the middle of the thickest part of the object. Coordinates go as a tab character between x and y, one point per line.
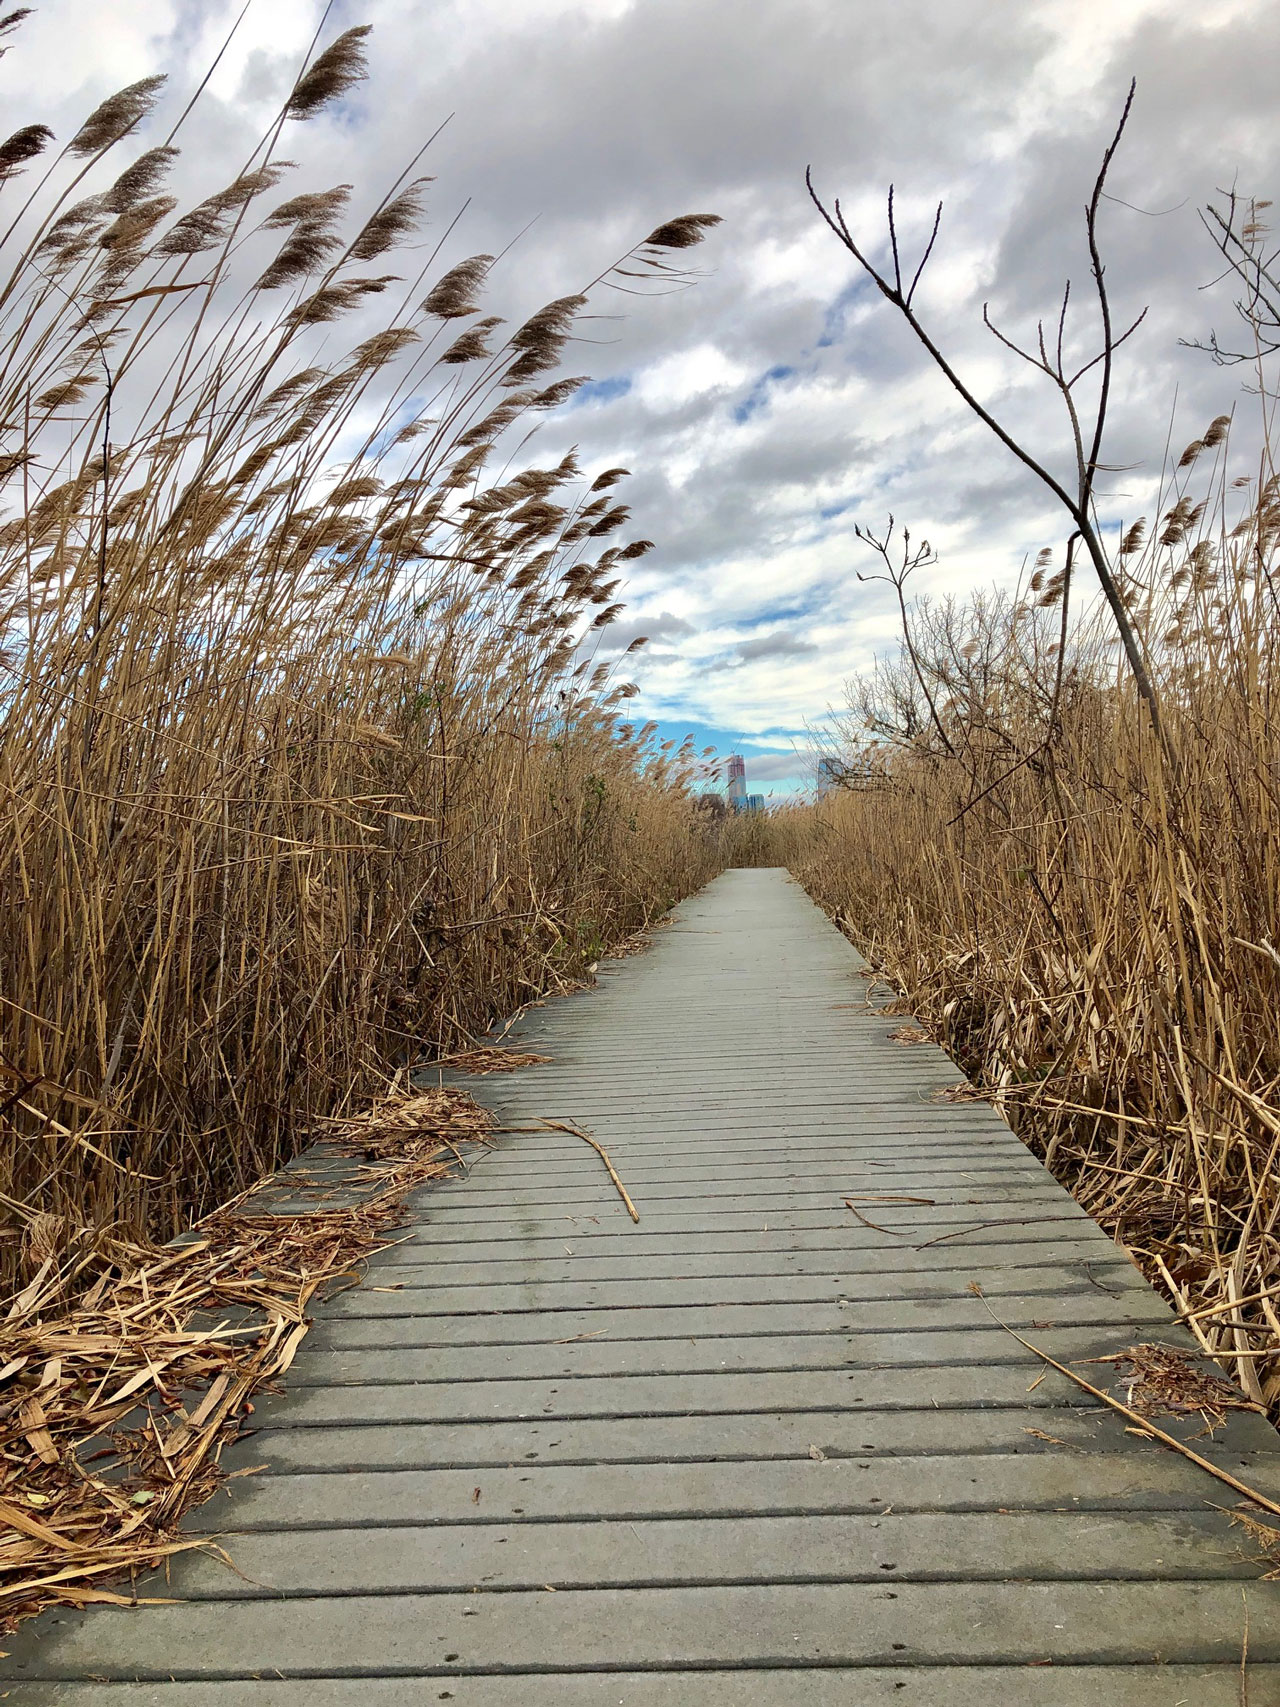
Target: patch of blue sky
769	742
835	320
758	396
724	740
772	745
772	615
601	391
408	411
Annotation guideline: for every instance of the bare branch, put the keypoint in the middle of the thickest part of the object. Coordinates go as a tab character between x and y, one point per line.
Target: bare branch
1040	362
928	250
1093	362
893	242
1104	305
896	574
1062	325
1078	504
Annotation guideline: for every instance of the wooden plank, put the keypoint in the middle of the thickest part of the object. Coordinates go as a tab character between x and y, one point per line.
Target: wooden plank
772	1626
1154	1685
814	1547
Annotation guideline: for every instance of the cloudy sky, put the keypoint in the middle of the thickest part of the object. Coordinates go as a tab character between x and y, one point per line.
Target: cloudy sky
777	403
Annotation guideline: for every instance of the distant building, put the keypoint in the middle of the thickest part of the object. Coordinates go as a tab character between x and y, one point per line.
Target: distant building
830	773
736	797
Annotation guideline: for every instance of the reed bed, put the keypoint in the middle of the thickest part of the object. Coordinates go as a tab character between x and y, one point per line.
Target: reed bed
309	768
1089	919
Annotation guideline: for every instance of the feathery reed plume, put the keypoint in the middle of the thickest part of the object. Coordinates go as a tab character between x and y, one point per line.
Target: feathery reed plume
450	298
10	22
140	179
470	346
1133	538
110	122
257	182
682	233
312	207
384	229
136	223
338	69
334	299
610	477
1216	431
542	338
558	392
23	145
383	347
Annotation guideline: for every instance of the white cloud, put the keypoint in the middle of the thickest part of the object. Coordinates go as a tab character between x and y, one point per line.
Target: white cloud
775	766
701	372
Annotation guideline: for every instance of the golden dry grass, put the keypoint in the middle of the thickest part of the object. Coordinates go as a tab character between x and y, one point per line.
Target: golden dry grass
118	1407
1090	925
307	767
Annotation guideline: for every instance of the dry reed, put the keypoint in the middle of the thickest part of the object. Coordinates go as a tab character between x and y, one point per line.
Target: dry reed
117	1410
1089	924
308	770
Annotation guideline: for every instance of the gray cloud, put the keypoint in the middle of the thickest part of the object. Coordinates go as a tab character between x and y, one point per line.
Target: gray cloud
661	626
779	644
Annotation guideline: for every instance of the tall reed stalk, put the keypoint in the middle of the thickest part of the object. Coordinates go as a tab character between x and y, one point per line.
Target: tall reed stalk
307	767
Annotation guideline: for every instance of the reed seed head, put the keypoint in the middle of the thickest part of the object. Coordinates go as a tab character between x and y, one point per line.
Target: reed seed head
116	117
384	229
450	298
682	233
471	345
337	70
24	145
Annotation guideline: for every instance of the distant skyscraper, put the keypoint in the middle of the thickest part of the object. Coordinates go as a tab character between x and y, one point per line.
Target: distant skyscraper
737	789
830	771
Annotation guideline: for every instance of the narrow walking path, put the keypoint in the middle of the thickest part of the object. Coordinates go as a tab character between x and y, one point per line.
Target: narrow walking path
754	1449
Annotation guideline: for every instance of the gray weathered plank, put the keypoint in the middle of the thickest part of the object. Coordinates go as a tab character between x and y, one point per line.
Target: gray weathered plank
1040	1685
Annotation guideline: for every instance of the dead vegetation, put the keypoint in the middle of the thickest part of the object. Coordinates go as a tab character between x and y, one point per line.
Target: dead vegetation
1160	1380
1085	928
310	764
1057	832
114	1411
639	942
482	1061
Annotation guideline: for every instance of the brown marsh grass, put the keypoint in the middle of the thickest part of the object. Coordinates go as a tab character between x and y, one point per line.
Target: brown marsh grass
1091	926
308	768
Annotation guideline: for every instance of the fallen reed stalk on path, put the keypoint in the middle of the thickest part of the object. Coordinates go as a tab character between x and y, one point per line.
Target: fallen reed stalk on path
577	1132
1142	1424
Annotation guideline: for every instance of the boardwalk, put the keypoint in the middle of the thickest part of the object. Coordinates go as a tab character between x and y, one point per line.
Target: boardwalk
751	1450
